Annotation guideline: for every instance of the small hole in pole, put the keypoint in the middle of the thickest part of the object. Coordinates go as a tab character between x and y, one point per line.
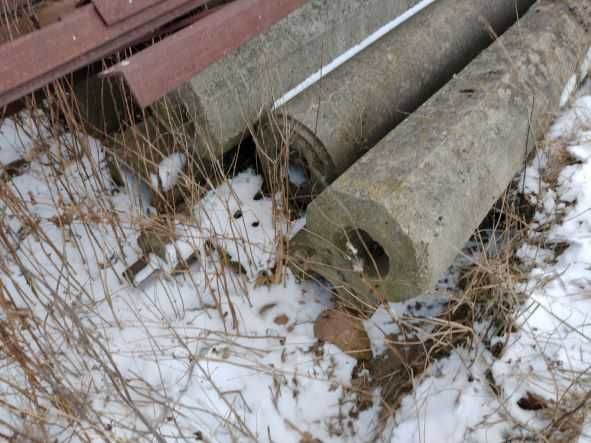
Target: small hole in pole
367	253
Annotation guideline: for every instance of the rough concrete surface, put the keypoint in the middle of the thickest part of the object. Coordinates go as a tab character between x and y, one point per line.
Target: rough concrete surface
229	96
336	121
392	223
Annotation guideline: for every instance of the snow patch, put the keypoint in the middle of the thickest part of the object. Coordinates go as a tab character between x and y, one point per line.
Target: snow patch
169	170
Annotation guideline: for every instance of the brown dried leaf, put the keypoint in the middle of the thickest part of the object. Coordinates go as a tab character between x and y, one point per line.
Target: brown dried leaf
532	402
345	331
281	320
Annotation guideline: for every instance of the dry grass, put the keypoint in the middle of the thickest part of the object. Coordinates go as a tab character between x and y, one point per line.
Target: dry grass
43	348
38	352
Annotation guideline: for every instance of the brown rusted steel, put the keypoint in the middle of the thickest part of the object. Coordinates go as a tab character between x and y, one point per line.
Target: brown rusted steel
175	60
114	11
80	38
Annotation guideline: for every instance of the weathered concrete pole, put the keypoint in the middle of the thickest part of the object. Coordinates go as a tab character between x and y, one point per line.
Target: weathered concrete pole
393	222
332	124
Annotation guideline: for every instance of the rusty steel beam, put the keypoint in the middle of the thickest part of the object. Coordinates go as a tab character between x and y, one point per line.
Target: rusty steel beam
80	38
114	11
172	62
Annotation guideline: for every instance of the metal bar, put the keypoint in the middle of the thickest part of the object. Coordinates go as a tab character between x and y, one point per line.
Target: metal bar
36	59
168	64
114	11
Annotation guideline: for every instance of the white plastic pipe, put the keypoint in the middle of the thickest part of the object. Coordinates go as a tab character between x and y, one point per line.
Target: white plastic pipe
351	52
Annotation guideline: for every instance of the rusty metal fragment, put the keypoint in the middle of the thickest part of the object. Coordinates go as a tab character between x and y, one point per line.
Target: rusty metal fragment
114	11
149	74
80	38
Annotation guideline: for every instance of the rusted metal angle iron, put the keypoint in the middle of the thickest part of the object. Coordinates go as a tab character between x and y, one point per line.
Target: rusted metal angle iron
165	66
80	38
114	11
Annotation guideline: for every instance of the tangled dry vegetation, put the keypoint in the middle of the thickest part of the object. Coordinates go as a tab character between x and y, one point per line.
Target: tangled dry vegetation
73	242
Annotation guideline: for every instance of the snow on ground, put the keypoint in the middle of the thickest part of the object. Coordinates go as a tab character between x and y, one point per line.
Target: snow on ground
211	354
205	355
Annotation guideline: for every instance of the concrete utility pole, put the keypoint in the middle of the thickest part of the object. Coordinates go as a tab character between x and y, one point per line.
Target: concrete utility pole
332	124
394	221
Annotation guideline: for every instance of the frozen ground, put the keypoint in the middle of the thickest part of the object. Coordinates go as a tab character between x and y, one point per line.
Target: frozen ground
212	354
